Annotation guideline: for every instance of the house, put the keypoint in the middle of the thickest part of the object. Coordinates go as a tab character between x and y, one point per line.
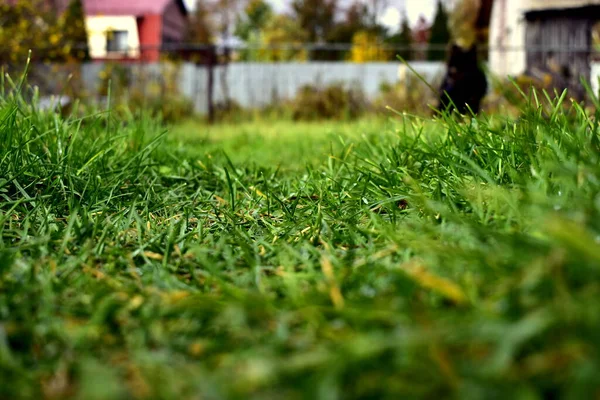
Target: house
420	36
133	29
528	34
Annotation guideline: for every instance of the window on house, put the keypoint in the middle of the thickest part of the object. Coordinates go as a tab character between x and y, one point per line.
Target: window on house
116	42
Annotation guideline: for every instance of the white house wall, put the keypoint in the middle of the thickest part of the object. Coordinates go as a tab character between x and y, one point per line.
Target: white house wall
507	38
532	5
98	26
507	31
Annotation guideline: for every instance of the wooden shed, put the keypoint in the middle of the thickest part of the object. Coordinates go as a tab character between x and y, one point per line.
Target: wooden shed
134	29
526	34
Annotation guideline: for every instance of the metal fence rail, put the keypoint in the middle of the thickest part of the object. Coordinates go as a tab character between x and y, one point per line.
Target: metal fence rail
249	84
210	75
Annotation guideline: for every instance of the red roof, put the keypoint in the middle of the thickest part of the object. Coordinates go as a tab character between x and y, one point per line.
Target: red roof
127	7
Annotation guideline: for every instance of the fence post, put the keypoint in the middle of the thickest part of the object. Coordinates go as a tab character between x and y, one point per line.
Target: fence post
211	61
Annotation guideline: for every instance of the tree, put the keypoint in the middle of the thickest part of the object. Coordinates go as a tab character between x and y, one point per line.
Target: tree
201	26
316	17
440	34
403	39
30	25
201	32
462	22
214	20
257	14
74	33
367	46
374	9
52	36
226	14
280	32
355	20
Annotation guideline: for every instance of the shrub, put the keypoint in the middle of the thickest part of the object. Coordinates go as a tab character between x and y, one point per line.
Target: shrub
230	111
410	95
170	107
511	96
114	78
332	102
136	89
33	24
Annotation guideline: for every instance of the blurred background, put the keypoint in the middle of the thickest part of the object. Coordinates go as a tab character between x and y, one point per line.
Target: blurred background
220	59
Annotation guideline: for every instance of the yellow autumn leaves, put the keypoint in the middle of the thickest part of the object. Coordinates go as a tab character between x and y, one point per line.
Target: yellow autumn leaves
462	22
32	25
366	46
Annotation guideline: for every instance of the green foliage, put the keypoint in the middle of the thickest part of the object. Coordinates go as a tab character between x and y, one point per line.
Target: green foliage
168	106
312	21
136	91
440	33
20	33
332	102
74	31
316	17
259	17
410	96
201	26
114	79
230	110
402	39
410	258
34	25
256	16
356	19
282	38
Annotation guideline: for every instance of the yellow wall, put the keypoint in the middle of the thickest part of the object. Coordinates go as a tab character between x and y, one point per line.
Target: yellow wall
97	28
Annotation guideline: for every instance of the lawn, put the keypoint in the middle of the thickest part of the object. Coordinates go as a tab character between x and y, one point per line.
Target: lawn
383	258
284	144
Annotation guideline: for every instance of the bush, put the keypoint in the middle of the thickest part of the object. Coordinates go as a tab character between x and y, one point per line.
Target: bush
33	25
504	98
136	89
411	95
170	107
332	102
230	111
511	96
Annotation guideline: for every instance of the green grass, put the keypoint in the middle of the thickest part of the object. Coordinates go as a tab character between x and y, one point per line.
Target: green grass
285	144
382	259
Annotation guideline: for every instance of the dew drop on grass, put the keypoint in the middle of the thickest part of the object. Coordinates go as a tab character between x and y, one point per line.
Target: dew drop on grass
534	173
